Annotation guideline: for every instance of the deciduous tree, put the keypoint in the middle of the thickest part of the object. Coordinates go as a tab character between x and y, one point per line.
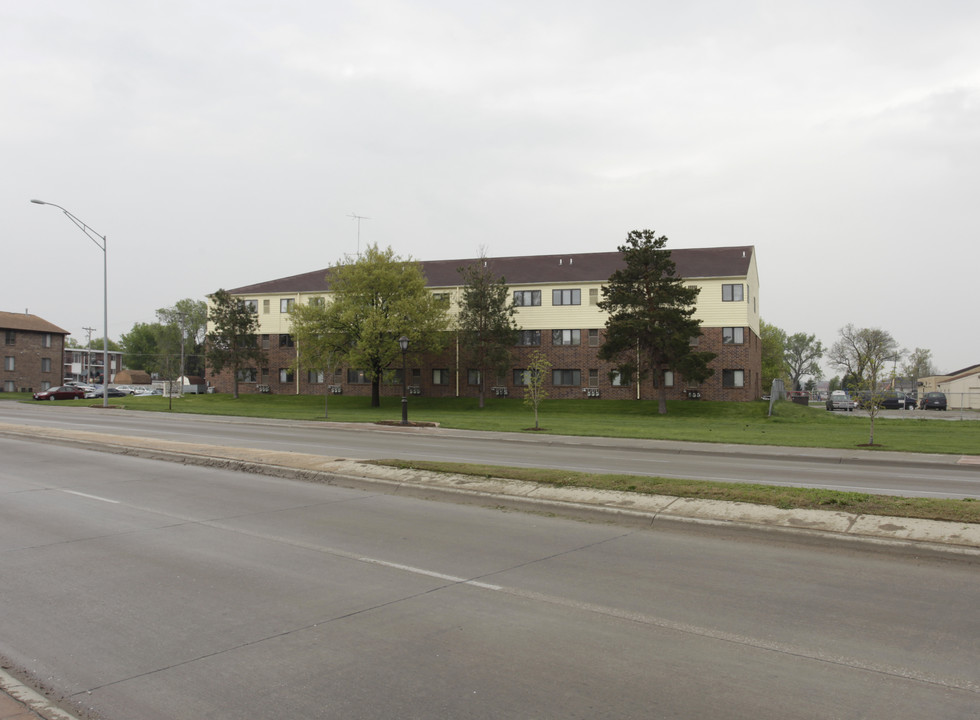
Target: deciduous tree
319	347
189	318
801	354
233	342
862	353
374	300
486	326
534	382
773	354
651	316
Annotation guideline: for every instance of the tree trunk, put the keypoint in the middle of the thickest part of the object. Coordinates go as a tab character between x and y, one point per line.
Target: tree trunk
326	395
376	391
662	399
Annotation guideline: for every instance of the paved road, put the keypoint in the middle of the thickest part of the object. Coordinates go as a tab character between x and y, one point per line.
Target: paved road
860	471
144	589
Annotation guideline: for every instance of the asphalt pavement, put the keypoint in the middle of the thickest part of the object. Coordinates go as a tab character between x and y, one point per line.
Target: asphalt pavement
19	702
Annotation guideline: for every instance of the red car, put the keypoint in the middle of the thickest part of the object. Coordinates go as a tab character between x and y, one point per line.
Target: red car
63	392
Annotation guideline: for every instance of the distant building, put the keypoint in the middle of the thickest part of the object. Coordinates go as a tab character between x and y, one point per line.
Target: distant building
961	387
557	298
85	364
32	352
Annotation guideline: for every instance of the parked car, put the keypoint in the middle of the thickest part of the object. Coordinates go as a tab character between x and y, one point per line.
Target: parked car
933	401
840	400
148	392
886	399
62	392
96	392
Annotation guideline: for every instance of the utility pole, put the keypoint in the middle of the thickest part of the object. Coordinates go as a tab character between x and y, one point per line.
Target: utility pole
88	353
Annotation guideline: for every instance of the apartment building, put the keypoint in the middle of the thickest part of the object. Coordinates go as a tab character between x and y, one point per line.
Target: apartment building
32	352
557	310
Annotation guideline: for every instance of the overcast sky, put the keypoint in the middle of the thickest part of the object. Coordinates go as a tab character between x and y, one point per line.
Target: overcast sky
220	143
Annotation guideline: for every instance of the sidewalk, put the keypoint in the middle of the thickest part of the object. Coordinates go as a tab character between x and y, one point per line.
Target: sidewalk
19	702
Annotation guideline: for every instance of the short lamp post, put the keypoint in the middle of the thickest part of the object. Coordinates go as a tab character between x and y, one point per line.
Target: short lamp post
403	344
100	242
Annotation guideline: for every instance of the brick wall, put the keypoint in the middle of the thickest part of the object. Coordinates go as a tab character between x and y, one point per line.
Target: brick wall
28	352
745	357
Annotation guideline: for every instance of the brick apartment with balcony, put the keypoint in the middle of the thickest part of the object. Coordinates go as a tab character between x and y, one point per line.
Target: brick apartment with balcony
32	353
557	298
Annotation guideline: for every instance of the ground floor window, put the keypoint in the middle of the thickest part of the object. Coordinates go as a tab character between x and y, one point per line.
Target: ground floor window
8	386
520	377
246	375
440	376
315	377
668	378
472	377
566	378
357	377
593	378
733	378
285	375
45	384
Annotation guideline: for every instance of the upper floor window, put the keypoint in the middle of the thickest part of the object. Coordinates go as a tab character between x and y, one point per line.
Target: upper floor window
252	305
529	337
286	304
527	298
732	293
316	301
593	296
441	297
566	297
265	306
733	335
566	337
11	337
46	340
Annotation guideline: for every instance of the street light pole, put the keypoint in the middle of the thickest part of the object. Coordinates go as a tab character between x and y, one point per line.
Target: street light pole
95	237
403	344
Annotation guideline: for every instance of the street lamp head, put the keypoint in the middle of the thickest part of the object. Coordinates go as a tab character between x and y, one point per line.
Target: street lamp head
39	202
403	343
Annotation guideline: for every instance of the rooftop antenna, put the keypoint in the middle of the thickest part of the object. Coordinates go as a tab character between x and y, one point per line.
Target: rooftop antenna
358	218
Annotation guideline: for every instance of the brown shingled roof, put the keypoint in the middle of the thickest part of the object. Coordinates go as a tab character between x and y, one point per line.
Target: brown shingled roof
28	322
529	269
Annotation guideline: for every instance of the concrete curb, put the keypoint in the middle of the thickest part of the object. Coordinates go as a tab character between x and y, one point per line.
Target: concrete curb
601	505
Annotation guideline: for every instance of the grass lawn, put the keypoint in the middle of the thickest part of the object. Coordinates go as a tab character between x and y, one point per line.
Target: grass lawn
738	423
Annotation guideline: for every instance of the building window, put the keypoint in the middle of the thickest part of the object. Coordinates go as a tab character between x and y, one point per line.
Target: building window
11	337
46	340
45	364
733	378
246	375
440	376
286	341
619	379
732	335
520	377
566	337
265	342
593	296
286	375
317	301
566	378
593	378
8	386
442	298
45	385
392	376
8	362
252	305
529	337
315	377
668	378
357	377
416	376
593	337
566	297
694	340
286	304
527	298
731	293
472	377
265	306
